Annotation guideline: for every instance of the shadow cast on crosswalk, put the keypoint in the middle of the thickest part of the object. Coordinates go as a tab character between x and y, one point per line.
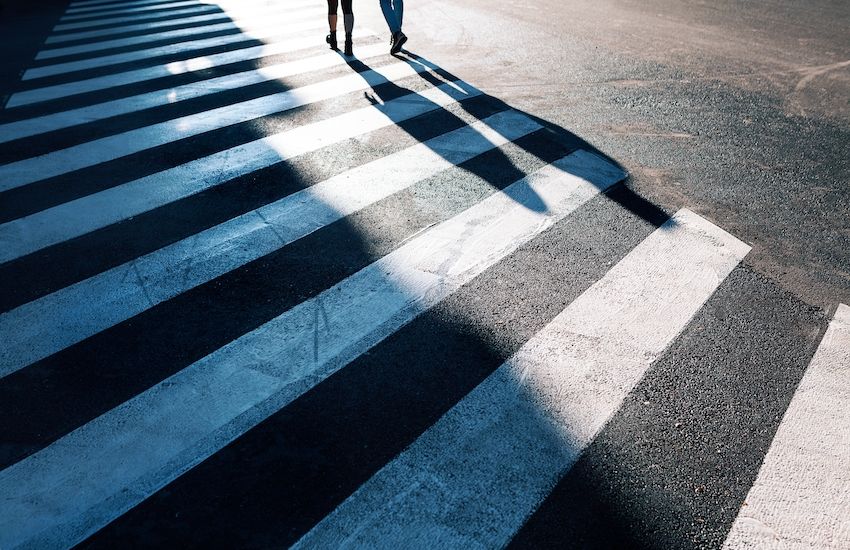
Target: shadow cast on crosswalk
258	295
625	198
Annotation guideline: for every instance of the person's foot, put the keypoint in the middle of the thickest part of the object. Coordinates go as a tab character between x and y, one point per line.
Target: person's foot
397	42
349	46
331	40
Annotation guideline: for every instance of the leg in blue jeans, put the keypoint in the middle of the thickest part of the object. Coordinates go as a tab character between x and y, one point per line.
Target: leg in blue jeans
393	13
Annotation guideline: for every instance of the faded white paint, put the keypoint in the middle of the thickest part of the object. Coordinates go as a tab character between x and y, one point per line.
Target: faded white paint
801	497
47	325
79	483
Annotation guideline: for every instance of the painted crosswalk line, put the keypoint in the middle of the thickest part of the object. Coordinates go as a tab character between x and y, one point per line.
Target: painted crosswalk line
801	497
101	16
91	153
76	4
259	21
104	34
84	215
144	7
85	13
118	3
89	477
118	21
188	46
106	82
169	96
120	6
494	457
467	468
45	326
212	18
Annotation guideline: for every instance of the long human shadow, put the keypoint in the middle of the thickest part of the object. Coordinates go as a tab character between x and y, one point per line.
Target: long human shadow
308	451
624	196
318	456
316	480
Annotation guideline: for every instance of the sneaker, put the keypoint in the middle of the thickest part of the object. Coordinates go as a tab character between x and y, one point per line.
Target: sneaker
398	41
331	40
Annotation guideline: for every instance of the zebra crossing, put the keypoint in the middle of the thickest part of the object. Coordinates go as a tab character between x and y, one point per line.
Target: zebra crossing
210	245
511	456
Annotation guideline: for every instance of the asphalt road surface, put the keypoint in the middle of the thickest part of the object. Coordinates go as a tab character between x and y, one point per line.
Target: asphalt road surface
559	274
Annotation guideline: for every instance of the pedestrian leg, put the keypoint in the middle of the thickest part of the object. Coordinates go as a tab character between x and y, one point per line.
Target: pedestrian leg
332	18
348	22
390	15
399	38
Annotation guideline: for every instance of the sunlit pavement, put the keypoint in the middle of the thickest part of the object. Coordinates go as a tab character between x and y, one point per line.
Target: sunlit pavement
561	274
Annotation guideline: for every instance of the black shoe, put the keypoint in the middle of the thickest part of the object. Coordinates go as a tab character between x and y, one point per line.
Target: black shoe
349	47
331	40
398	41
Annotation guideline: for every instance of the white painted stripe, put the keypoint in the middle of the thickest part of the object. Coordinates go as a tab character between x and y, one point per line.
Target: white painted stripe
169	96
140	10
54	322
74	8
801	498
84	3
78	217
171	49
494	457
110	10
117	3
195	10
91	153
234	16
223	4
87	478
80	14
253	21
170	69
